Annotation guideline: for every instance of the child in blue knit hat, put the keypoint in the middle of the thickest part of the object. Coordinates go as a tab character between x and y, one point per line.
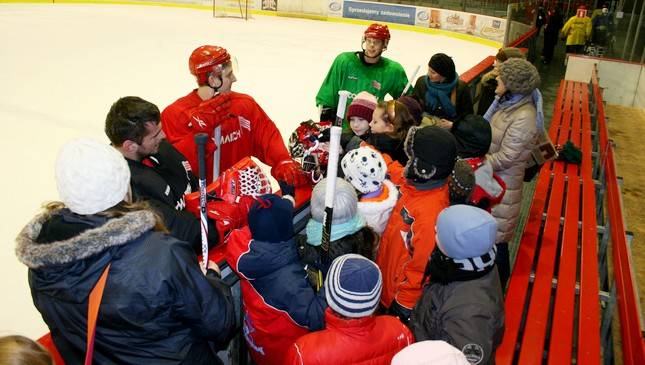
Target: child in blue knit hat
463	302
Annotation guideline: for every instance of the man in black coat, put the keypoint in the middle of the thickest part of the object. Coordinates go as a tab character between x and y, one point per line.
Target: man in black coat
160	174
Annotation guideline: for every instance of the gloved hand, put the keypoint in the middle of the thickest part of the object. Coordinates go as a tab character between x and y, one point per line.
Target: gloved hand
327	114
324	135
290	172
228	216
400	311
287	189
211	113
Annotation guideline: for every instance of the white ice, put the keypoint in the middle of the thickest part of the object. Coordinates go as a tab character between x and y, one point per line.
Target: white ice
62	66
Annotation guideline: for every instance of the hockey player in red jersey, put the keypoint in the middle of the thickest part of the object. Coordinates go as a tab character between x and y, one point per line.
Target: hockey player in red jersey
246	130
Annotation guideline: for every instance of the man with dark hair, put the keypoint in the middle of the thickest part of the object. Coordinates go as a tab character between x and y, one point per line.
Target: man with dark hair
159	173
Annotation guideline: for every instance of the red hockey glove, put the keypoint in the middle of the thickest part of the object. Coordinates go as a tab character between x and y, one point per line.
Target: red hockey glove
210	113
290	172
229	216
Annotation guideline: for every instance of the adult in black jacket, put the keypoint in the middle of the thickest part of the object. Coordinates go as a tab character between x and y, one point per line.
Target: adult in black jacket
441	93
160	174
488	83
551	33
157	308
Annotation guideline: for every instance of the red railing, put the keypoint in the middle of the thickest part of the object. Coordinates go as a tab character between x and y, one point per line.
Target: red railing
633	344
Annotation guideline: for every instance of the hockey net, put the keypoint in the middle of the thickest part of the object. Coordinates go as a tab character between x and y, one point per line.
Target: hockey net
231	9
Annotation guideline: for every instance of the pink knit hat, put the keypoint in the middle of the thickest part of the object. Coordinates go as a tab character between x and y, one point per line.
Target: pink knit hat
362	106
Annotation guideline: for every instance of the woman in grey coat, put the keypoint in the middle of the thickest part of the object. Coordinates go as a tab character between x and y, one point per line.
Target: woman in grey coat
516	120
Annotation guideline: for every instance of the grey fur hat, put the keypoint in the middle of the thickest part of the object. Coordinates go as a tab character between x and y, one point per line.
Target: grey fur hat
345	201
519	76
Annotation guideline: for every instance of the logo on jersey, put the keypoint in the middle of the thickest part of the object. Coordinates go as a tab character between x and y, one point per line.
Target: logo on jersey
247	330
200	122
232	137
244	123
376	85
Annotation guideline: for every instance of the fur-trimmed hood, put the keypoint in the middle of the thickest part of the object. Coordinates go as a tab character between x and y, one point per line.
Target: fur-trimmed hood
115	232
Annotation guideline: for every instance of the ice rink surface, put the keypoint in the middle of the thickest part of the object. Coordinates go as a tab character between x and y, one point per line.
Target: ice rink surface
62	66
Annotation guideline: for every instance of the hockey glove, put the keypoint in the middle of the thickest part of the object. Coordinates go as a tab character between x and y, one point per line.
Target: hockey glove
290	172
229	216
211	113
287	189
328	114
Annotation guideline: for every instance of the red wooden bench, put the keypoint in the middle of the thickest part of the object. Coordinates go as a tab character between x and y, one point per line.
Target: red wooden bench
552	302
624	285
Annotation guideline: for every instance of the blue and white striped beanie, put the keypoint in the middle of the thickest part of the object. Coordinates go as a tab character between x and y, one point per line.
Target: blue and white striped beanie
353	286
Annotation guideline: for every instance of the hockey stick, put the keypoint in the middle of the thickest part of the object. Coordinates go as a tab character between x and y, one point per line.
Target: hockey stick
217	136
200	141
407	87
332	172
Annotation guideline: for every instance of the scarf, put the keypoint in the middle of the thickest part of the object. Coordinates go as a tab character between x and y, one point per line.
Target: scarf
445	270
314	229
439	95
508	99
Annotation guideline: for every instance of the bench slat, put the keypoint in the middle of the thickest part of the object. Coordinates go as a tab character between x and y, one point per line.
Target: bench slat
532	348
586	145
519	281
576	123
562	133
589	310
556	119
561	342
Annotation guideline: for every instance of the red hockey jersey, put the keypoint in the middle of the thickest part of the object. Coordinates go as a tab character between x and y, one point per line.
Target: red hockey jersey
246	130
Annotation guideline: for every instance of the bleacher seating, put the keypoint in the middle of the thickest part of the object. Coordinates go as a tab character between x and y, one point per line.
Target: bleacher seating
552	302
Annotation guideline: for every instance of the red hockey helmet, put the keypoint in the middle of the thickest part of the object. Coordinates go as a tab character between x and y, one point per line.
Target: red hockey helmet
207	59
377	31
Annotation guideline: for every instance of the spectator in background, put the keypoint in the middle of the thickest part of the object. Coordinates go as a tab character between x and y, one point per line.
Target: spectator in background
20	350
443	96
516	120
352	334
603	27
577	31
551	32
488	83
365	70
157	305
540	19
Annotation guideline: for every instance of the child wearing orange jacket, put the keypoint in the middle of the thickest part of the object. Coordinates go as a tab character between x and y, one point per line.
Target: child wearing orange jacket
409	236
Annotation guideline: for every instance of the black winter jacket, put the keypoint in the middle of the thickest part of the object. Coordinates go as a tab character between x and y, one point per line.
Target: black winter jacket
162	181
361	242
157	307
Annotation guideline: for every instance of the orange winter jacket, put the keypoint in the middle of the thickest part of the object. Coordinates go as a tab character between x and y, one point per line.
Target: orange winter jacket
407	242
